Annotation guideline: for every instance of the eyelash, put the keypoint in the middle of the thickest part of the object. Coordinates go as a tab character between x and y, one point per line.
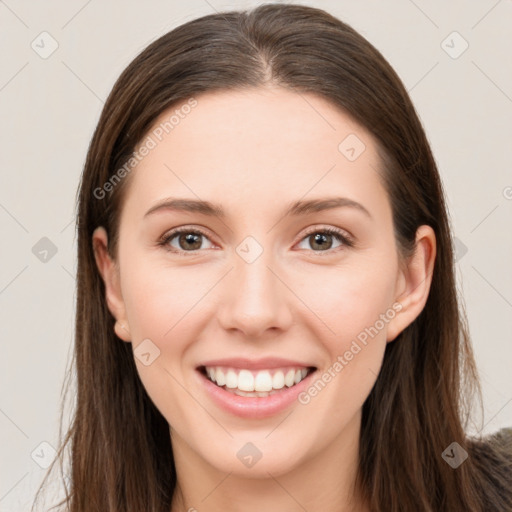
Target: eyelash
346	240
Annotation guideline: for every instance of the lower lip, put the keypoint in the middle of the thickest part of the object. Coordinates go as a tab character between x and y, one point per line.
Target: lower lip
254	407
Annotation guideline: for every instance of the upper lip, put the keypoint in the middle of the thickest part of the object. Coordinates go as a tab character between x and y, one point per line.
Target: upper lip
256	364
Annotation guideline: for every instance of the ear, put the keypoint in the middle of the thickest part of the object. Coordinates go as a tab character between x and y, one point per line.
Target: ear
413	282
109	271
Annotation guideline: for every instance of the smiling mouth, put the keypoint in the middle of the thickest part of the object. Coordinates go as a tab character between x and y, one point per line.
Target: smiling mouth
255	383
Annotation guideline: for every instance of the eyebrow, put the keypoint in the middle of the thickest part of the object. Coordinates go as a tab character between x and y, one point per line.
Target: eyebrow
295	209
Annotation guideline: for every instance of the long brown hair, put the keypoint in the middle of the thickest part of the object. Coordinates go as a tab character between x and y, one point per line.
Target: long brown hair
121	455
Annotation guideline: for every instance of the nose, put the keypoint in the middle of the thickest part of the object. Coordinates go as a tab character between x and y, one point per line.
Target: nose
255	298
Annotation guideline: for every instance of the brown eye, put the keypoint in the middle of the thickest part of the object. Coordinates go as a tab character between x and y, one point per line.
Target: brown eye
190	241
321	240
184	240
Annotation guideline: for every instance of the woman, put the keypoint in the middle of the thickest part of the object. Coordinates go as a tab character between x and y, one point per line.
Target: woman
267	315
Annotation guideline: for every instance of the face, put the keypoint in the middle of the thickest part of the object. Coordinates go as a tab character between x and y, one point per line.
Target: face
285	281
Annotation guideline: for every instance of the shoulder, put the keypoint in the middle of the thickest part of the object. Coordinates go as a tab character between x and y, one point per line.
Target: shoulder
492	457
496	447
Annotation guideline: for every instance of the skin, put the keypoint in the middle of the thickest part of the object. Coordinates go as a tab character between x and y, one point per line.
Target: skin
254	152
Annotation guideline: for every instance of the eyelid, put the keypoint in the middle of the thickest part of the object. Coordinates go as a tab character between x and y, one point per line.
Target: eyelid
329	229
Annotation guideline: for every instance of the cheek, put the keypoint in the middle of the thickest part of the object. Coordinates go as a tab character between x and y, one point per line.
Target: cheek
357	309
348	299
158	299
160	308
355	303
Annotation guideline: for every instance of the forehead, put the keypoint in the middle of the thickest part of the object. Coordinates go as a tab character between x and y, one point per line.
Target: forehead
254	145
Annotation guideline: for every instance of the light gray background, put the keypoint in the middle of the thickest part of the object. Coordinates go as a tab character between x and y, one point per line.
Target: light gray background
49	108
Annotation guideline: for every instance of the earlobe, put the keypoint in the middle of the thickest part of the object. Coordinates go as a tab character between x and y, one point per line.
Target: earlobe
110	274
415	282
122	331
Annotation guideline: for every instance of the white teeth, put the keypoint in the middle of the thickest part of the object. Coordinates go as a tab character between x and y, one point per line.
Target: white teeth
245	381
263	381
220	378
257	383
231	379
289	379
278	380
